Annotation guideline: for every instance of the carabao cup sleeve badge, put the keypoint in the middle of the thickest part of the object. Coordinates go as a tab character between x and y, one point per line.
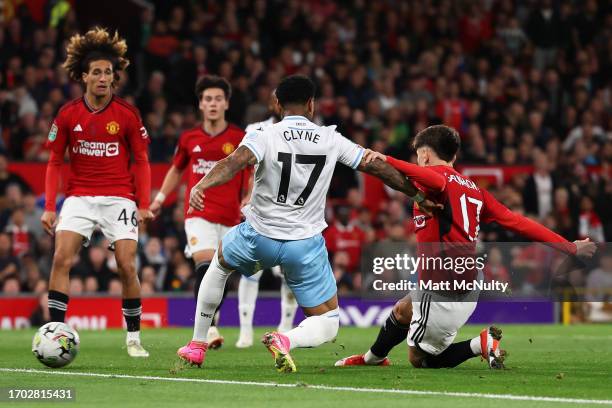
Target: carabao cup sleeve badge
53	132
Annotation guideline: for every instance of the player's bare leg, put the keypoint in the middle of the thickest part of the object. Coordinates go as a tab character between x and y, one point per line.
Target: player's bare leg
125	254
321	326
67	245
210	295
202	260
393	332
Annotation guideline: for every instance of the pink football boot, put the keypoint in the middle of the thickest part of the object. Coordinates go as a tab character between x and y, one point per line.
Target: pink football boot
278	345
193	353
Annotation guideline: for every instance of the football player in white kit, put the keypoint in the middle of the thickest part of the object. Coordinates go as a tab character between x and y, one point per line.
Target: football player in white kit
248	287
295	160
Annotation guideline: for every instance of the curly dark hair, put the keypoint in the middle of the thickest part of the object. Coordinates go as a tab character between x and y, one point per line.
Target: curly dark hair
96	44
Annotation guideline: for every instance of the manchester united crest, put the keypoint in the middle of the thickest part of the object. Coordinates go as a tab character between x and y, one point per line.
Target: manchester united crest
112	128
228	148
193	241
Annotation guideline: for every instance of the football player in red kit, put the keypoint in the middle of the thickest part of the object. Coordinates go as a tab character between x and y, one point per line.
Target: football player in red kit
101	132
197	152
430	326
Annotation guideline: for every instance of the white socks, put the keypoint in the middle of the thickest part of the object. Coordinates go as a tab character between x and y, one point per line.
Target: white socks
247	297
371	358
209	297
133	336
288	308
475	346
315	330
248	288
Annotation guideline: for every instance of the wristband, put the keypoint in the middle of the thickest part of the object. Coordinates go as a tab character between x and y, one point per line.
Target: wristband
160	197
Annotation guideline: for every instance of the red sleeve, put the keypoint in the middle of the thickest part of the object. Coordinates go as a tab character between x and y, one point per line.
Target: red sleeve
56	142
139	143
425	177
181	156
494	211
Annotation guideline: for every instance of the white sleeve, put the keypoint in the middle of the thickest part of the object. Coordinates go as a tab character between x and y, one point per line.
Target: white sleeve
349	153
255	141
251	127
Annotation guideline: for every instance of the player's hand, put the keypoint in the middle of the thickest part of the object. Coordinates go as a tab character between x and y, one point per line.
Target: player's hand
371	155
585	247
155	208
196	199
49	221
144	215
429	207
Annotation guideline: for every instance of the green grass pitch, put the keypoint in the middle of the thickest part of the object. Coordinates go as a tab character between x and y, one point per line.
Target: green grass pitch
544	361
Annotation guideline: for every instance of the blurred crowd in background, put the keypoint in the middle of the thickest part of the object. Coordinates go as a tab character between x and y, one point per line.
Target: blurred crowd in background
524	83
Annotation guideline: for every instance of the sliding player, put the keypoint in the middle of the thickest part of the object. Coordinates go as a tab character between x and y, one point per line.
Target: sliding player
431	326
249	286
197	152
284	220
101	132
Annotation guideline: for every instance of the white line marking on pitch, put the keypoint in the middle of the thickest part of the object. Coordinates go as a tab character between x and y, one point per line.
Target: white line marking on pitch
318	387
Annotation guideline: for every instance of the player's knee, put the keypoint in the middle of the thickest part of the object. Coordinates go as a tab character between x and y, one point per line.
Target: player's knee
416	362
416	359
62	262
127	269
219	256
403	312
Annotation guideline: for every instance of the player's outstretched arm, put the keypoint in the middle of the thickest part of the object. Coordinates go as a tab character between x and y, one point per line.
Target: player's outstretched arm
397	181
427	178
221	173
494	211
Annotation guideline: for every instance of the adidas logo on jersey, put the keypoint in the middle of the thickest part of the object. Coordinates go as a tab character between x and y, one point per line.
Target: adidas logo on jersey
77	128
197	149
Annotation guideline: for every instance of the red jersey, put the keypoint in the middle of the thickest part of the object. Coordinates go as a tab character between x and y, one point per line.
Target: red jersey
197	152
100	145
465	207
349	239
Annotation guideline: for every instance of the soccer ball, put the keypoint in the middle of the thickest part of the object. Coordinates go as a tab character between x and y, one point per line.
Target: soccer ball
55	344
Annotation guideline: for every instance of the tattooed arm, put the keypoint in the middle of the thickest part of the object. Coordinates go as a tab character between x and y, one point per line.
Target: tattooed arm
397	181
391	177
221	173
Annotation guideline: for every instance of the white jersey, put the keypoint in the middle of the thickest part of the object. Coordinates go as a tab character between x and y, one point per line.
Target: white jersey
295	163
259	125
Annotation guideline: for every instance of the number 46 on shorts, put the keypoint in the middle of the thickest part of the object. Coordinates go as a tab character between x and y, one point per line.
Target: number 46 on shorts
123	217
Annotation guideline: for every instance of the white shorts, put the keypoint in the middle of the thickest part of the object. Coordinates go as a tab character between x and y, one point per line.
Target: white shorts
202	235
116	217
434	324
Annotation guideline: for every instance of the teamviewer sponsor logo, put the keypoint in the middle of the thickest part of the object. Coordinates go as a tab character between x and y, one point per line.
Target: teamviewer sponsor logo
96	149
203	166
